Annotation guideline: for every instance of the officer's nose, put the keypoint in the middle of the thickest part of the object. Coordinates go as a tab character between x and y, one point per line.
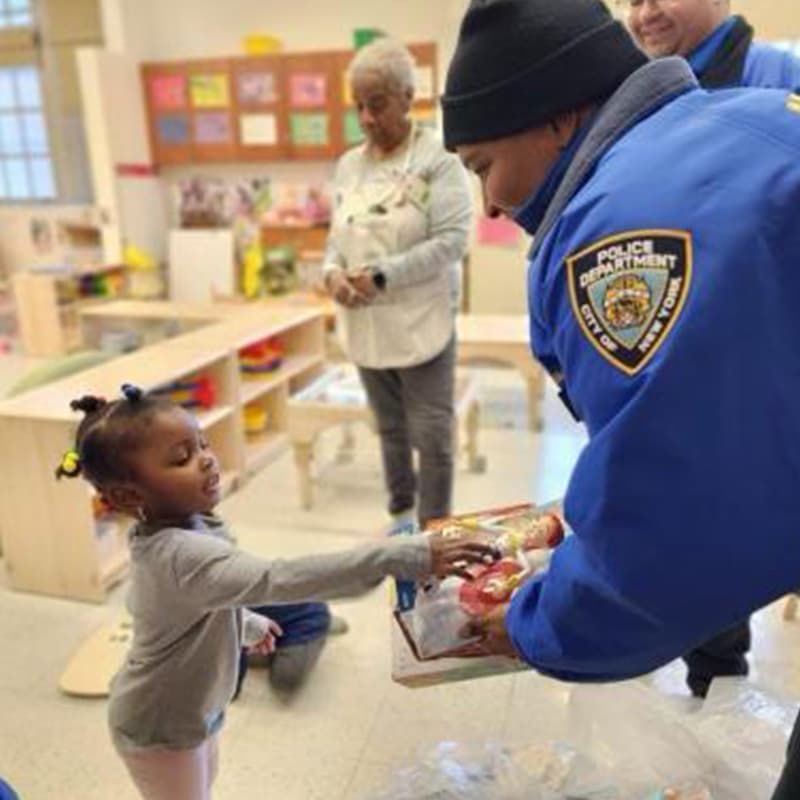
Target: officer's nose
489	208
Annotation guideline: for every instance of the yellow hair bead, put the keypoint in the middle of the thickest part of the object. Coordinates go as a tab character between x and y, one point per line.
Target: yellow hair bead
71	462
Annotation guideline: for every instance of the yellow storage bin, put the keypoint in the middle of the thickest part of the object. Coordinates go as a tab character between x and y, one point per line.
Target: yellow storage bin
261	44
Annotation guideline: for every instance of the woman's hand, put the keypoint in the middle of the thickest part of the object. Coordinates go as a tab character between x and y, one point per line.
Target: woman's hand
364	283
344	291
451	555
267	646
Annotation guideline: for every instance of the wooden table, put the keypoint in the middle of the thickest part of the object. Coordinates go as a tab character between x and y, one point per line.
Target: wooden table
320	406
503	339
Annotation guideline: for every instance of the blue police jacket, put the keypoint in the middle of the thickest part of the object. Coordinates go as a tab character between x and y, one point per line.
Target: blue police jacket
729	57
664	291
771	68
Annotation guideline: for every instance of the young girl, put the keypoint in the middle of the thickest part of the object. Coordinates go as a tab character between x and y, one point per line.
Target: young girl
148	459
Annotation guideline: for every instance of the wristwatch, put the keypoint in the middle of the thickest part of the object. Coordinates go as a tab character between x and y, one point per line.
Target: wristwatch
379	278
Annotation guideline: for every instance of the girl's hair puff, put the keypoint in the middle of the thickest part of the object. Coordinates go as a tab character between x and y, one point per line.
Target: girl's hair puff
108	432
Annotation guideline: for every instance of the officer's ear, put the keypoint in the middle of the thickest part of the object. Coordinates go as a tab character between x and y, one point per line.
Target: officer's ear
565	125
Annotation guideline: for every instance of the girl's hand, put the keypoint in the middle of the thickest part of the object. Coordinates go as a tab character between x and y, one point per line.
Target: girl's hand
267	646
451	555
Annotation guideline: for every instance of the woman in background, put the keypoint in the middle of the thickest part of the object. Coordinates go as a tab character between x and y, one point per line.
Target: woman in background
393	265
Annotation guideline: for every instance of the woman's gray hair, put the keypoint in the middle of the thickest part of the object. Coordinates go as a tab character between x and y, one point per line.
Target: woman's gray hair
387	58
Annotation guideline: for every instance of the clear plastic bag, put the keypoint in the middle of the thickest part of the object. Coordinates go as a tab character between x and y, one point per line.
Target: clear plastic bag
731	746
625	742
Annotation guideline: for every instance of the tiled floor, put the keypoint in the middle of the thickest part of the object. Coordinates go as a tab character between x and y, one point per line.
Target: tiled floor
351	728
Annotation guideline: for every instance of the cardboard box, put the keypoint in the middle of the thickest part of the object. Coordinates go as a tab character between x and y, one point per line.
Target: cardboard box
428	620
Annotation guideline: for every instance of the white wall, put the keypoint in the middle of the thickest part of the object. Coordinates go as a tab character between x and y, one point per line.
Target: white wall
173	29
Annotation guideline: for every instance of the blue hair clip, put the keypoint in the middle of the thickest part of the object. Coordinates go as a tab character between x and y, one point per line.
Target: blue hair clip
133	394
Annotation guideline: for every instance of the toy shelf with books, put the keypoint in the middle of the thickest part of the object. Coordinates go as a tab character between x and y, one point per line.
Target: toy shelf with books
210	393
270	363
56	539
48	303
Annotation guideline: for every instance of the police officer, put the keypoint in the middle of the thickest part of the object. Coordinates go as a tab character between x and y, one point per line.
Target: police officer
720	50
718	46
664	300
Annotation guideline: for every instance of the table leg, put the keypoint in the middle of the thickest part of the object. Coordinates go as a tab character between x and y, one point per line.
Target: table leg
348	445
535	388
476	462
303	455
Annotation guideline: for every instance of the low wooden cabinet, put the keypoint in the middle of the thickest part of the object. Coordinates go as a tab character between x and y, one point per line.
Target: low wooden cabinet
55	541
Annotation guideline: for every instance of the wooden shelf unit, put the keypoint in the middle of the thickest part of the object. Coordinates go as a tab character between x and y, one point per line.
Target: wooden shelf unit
52	542
48	304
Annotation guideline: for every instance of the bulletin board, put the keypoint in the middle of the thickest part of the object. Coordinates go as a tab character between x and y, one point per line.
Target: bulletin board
260	107
287	106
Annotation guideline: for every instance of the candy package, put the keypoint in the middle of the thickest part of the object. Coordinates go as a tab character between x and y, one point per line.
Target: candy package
434	619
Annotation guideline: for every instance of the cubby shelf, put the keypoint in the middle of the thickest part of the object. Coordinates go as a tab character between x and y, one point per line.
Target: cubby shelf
51	540
253	388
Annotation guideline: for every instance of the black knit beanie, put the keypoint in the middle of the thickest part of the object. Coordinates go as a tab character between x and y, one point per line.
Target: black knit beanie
520	63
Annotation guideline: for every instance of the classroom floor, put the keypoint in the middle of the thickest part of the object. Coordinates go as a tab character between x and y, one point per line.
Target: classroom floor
351	729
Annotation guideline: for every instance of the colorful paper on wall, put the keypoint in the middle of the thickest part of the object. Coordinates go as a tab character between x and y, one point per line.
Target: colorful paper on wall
347	92
423	78
168	92
258	130
307	90
173	129
498	232
350	127
212	127
257	88
309	130
210	91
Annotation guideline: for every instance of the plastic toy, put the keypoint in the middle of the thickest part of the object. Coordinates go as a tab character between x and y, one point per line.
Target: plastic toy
199	392
265	356
252	263
256	419
433	618
278	271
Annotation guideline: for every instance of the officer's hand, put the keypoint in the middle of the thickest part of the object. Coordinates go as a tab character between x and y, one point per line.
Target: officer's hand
493	641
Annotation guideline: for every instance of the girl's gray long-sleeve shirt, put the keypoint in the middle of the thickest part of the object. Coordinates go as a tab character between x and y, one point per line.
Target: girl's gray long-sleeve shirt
188	587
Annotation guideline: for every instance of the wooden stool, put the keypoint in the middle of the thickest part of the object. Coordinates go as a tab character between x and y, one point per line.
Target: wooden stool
337	398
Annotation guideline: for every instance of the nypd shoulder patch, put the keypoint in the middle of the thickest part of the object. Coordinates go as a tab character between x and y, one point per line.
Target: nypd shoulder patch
628	290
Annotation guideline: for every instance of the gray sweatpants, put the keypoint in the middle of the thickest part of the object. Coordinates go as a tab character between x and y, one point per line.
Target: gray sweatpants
414	408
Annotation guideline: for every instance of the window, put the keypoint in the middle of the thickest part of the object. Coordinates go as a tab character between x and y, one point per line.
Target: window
26	169
15	14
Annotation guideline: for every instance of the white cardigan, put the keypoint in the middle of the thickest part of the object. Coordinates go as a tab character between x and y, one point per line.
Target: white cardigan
409	216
